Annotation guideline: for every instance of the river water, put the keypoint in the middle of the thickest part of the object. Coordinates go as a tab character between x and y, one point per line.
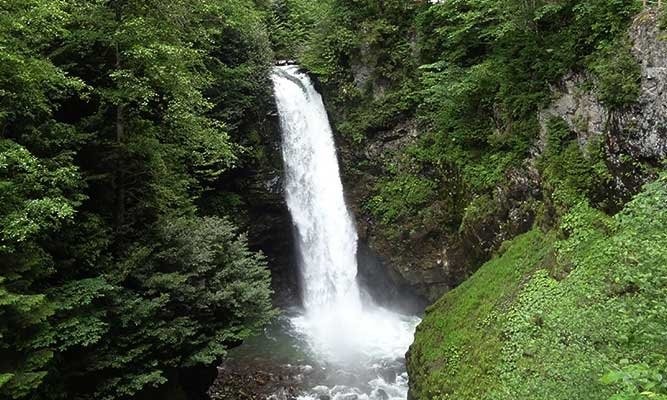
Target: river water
346	347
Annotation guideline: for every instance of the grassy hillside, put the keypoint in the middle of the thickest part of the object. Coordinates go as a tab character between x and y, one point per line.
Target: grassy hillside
576	314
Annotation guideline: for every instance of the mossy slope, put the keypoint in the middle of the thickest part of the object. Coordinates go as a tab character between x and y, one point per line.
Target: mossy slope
576	314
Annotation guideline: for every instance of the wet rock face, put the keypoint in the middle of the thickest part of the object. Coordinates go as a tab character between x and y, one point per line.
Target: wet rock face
408	263
644	124
647	121
384	285
270	224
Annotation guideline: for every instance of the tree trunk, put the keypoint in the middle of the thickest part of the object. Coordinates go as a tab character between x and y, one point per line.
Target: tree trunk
119	174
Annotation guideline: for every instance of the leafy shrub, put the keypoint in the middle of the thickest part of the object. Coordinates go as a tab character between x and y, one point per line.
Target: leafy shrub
400	196
616	74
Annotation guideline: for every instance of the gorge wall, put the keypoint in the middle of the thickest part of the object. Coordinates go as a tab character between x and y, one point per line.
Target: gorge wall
435	252
635	136
430	213
509	331
440	195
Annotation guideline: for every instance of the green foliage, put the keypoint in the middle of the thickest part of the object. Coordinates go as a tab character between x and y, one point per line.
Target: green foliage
459	342
616	74
292	23
573	174
401	196
40	189
662	19
115	117
491	63
183	300
581	317
474	74
375	34
375	115
479	208
637	381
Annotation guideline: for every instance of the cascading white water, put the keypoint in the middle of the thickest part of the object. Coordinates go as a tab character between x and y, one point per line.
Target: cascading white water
339	328
327	239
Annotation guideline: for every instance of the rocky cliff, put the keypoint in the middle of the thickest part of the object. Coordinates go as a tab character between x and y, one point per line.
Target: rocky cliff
509	332
635	137
437	253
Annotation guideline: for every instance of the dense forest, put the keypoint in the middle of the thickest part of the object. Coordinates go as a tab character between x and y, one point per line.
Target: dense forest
129	131
120	263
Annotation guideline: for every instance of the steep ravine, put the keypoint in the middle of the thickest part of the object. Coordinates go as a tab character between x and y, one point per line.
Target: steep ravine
334	331
428	261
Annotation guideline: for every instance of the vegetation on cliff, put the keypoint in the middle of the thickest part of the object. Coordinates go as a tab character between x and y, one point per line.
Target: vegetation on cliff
439	104
124	125
474	73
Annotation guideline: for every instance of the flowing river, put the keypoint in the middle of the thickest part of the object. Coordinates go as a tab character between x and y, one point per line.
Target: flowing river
348	347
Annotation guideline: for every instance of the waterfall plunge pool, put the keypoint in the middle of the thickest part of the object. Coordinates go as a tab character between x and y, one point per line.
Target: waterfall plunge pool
284	363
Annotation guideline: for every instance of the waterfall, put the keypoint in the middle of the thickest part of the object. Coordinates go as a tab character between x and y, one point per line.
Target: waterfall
326	235
359	339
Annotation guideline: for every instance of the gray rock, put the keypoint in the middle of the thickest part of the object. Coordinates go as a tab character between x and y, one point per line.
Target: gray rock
640	130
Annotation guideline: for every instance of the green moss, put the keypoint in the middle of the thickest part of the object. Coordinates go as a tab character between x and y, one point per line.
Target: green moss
479	208
460	341
580	317
292	22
